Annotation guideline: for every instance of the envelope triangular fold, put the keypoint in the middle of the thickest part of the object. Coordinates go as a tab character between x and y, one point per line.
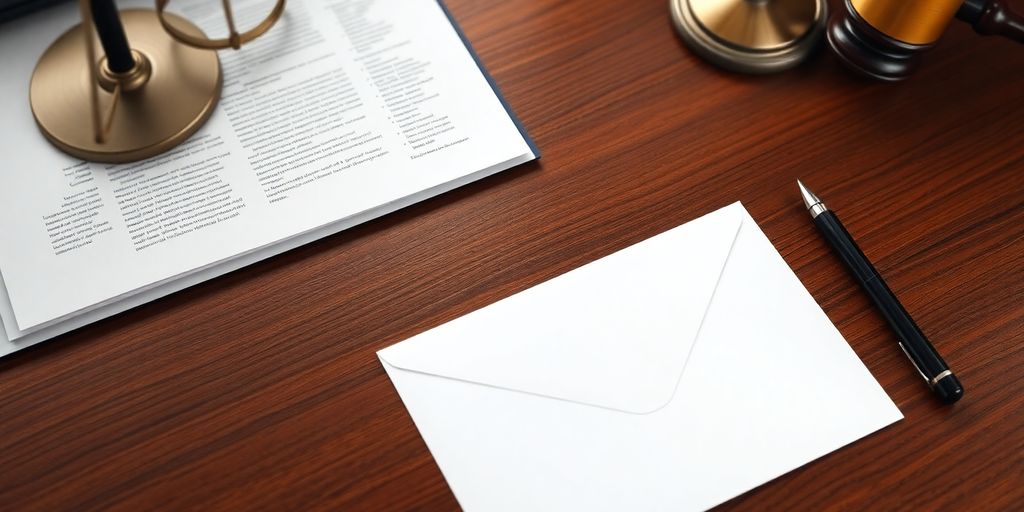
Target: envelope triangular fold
614	333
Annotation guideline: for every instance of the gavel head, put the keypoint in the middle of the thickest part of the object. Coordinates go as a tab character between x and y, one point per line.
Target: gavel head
884	38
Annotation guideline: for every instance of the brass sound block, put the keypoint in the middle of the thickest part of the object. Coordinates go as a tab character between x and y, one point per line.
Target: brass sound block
165	101
751	36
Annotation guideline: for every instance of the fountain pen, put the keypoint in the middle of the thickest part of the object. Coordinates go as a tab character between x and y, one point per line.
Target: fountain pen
912	341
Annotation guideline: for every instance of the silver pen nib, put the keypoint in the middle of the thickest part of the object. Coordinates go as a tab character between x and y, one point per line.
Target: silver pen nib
813	203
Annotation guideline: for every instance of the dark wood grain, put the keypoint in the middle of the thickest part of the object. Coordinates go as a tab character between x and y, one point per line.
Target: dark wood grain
261	389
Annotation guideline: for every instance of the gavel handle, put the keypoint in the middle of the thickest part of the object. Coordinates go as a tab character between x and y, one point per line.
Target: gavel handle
992	17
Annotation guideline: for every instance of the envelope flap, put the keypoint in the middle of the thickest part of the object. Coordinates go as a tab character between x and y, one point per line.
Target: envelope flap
614	333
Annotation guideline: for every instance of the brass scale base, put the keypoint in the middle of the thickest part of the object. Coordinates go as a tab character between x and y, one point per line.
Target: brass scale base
181	88
751	36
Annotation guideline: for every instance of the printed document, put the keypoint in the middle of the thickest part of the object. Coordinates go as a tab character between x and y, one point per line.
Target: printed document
343	111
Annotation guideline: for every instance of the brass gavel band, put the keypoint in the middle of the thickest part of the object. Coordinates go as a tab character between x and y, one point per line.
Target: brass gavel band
911	21
234	39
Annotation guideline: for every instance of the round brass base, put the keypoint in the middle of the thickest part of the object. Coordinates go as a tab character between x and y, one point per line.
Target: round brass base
178	95
751	36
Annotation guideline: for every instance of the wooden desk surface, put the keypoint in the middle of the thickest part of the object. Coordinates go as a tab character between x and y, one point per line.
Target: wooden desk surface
261	389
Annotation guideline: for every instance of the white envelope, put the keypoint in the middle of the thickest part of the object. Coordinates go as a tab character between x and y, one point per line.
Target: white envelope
674	374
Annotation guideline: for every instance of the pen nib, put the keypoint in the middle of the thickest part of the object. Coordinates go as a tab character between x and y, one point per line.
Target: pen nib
809	198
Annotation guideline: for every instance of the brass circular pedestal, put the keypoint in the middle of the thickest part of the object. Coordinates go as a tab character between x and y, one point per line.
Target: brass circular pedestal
751	36
177	97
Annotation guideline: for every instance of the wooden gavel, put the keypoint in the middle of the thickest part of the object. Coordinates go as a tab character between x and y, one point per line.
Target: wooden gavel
884	38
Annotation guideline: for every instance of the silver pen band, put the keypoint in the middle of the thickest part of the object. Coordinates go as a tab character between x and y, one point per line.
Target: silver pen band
817	209
935	380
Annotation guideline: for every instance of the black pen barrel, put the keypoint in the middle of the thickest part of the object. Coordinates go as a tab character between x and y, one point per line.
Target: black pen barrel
911	339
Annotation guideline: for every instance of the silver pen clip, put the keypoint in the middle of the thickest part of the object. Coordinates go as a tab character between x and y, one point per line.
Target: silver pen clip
926	379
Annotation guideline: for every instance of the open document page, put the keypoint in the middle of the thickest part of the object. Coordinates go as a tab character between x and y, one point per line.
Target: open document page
344	111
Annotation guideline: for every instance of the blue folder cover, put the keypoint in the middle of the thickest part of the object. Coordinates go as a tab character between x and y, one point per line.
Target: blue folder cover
490	79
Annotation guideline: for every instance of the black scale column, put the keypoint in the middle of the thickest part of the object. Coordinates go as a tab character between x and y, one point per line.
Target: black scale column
111	34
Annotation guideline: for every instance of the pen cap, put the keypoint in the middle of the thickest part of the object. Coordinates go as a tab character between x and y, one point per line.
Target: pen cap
949	389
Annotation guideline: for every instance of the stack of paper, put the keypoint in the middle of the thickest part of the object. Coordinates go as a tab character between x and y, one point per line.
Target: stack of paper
344	111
